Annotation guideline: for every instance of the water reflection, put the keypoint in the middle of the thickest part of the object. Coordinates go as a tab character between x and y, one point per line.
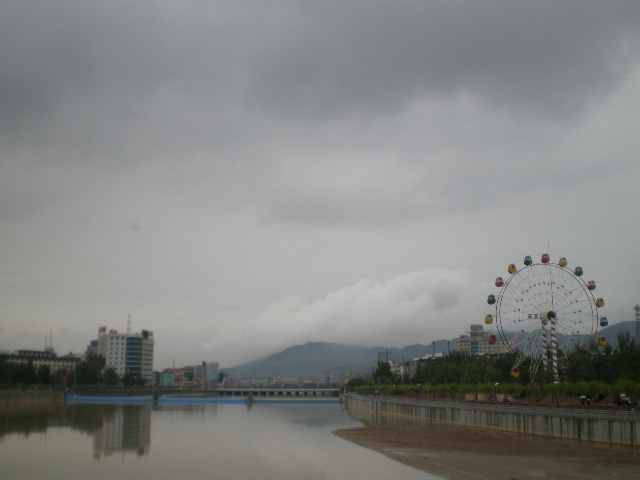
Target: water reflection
168	442
129	429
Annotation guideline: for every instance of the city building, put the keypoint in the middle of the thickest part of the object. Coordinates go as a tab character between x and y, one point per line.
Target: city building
167	379
47	357
478	342
203	376
206	375
410	368
126	352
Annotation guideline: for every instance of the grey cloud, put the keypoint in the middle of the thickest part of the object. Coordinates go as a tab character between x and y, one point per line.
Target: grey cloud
548	56
268	150
312	60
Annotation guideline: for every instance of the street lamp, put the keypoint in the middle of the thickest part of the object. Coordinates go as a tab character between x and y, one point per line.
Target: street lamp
418	391
495	390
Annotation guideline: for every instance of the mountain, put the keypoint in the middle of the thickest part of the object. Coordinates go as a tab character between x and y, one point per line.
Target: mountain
316	358
612	331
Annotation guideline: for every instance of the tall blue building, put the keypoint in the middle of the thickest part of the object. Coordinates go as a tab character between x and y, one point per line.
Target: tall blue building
127	352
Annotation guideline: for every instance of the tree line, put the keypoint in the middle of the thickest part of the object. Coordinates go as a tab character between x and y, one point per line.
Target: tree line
18	374
596	370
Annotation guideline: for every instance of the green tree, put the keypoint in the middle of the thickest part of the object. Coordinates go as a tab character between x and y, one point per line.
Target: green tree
44	374
110	377
131	379
383	370
87	374
626	358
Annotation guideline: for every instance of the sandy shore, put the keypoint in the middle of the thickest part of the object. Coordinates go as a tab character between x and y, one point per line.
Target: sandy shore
464	453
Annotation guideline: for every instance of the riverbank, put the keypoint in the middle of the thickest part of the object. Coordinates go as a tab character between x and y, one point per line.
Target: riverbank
464	453
29	400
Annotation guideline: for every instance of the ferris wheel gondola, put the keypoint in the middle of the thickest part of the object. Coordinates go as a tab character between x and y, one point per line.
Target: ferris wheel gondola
542	309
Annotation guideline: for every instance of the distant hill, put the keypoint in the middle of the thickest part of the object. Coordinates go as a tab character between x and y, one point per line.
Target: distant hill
315	358
612	331
321	357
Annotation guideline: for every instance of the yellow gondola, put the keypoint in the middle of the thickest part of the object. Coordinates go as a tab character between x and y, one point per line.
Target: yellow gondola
600	303
562	262
515	372
602	341
488	319
512	268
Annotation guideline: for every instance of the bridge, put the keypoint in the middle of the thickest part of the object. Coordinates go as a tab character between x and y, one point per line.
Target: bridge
280	392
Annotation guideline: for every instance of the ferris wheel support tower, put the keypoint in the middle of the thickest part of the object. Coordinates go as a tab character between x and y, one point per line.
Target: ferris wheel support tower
637	309
542	309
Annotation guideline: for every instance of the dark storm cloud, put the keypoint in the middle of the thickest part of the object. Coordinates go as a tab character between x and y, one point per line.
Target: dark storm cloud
548	56
309	59
128	82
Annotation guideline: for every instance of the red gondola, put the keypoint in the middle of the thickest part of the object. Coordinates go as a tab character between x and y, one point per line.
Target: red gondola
591	285
492	339
545	258
499	282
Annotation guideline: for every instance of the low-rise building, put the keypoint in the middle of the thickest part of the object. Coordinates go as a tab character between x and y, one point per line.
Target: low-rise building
478	342
47	357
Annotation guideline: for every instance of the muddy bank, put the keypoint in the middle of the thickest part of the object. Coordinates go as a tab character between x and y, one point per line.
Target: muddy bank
463	453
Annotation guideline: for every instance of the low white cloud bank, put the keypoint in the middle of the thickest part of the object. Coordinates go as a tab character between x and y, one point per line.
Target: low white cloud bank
415	307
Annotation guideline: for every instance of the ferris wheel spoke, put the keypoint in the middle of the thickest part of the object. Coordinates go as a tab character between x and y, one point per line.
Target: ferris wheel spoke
540	307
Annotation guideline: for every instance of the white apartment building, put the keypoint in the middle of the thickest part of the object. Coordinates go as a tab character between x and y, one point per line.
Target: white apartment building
127	352
480	343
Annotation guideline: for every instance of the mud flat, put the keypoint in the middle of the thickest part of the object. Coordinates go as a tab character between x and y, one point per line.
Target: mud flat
463	453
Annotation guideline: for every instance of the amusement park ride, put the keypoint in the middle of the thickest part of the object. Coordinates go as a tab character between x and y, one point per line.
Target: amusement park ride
540	302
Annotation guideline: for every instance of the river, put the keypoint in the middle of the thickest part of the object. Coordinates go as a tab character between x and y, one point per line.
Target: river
190	442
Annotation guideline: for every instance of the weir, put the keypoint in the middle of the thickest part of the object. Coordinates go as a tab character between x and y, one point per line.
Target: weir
614	427
280	392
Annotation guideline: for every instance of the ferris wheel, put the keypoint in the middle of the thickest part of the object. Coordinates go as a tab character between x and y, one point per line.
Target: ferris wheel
542	310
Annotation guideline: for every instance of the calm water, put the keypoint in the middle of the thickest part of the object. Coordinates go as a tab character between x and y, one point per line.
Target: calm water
191	442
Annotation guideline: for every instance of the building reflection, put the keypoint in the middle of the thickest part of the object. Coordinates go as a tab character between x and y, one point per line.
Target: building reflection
128	430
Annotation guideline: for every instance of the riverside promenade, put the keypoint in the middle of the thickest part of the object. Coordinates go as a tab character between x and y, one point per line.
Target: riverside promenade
590	424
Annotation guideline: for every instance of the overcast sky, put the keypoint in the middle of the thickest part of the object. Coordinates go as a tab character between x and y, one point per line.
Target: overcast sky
241	177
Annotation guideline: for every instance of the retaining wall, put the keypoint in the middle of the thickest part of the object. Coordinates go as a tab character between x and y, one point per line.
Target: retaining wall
581	424
18	400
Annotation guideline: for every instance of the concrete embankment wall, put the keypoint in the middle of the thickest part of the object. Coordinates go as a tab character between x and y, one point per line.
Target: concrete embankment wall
19	401
590	425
